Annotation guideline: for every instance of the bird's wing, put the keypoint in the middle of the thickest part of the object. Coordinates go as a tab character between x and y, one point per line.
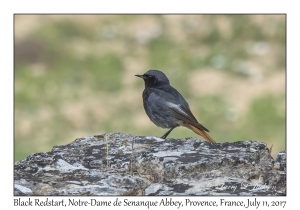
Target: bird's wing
185	115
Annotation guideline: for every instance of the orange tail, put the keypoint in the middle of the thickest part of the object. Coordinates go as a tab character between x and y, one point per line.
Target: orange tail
201	133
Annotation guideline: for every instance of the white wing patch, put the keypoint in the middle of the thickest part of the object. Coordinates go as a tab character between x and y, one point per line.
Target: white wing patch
177	108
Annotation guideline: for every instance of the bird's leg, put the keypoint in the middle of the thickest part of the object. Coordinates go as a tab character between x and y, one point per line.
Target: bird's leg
169	131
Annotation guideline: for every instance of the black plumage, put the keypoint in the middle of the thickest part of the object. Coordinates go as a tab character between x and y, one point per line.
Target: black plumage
166	107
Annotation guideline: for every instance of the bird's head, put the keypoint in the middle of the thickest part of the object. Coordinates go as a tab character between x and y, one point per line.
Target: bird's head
154	78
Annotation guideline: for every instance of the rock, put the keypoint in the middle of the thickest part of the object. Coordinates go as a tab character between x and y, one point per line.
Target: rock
280	162
121	164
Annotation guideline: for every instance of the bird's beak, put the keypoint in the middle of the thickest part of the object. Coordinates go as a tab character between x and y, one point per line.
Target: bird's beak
141	76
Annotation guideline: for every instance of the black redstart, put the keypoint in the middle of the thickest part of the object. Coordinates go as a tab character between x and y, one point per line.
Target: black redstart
166	107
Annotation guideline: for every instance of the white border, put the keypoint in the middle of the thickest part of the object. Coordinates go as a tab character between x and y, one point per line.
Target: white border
8	8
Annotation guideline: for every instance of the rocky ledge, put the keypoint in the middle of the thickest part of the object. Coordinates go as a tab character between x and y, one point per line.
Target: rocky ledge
122	164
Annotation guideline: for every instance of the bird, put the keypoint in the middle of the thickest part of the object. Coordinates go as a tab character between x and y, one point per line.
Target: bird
166	107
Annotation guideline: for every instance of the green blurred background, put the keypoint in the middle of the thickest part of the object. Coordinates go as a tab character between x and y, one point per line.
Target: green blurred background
74	75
